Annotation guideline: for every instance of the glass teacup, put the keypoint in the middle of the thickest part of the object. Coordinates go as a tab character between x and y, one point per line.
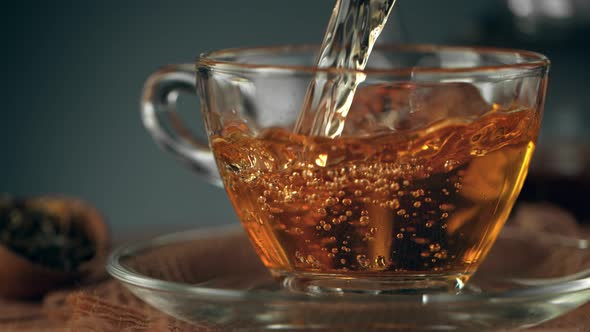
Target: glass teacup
410	197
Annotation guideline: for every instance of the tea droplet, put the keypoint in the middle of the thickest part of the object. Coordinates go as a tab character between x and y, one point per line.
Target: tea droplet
364	220
393	204
299	257
418	193
331	201
363	261
322	160
441	255
312	260
478	152
381	262
450	165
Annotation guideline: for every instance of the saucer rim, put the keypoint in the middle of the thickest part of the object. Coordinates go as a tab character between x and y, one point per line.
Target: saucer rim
530	293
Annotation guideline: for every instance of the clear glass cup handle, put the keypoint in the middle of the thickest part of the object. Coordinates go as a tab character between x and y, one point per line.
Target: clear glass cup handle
158	112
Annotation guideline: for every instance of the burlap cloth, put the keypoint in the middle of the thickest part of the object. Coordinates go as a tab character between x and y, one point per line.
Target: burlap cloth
107	306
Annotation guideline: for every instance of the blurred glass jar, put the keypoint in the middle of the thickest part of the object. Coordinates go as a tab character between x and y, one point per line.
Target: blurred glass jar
543	19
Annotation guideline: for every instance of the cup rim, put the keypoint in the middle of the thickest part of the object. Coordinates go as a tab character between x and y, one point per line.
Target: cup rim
525	61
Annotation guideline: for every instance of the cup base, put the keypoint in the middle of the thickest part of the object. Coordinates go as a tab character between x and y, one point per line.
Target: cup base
319	284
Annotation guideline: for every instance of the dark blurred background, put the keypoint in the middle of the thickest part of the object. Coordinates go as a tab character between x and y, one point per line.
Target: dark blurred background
72	74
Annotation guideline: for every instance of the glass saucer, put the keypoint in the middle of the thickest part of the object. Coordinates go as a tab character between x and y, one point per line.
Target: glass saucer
213	278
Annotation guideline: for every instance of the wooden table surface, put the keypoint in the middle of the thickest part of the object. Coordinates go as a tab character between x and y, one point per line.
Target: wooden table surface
23	316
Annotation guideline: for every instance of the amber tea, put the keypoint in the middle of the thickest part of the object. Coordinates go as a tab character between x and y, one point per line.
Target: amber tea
396	197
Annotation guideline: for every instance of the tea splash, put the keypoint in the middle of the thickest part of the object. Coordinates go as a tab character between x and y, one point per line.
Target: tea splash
353	30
